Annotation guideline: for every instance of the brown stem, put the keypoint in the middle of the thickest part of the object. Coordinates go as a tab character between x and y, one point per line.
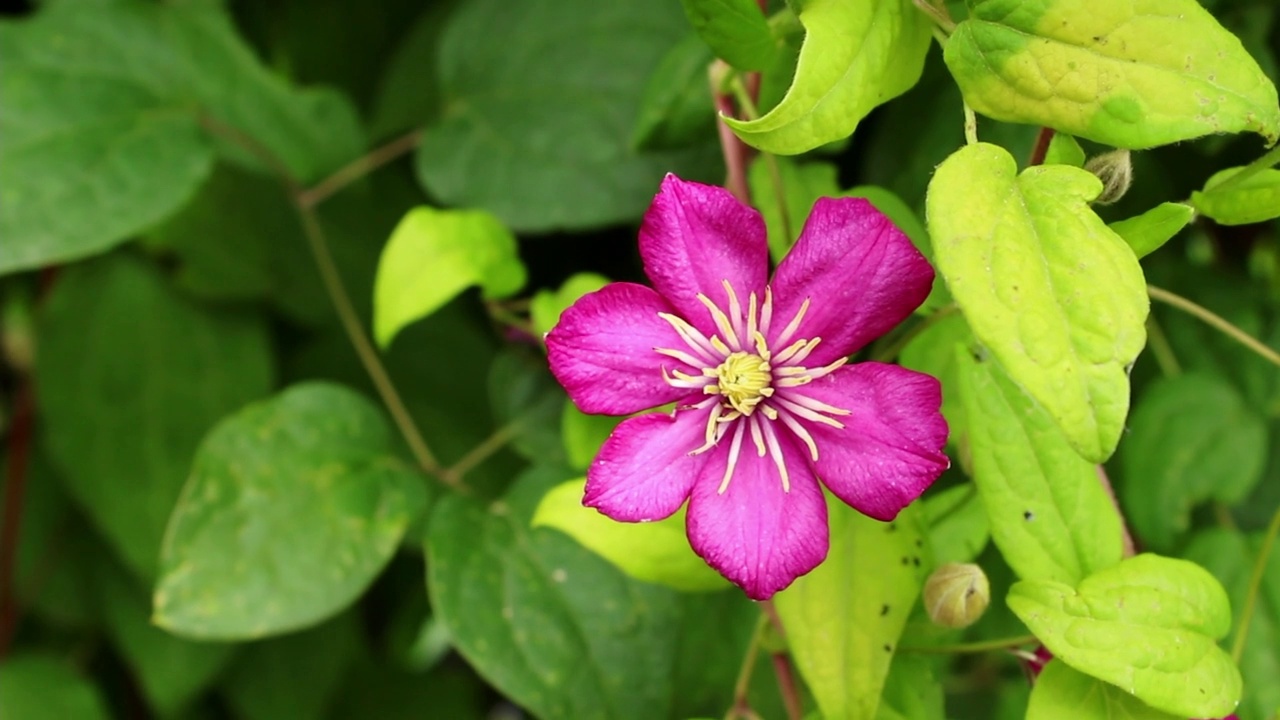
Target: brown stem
15	484
1041	148
358	168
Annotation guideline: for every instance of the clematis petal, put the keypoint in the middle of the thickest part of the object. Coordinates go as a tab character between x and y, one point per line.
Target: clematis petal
694	237
644	471
861	273
756	534
890	450
602	351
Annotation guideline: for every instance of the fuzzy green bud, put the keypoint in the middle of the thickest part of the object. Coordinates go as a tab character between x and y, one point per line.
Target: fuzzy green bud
956	595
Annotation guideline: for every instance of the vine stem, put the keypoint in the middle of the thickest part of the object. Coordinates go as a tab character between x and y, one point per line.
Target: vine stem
337	290
453	474
787	685
15	484
1041	149
358	168
974	647
736	153
1255	587
1216	321
1159	342
377	372
741	707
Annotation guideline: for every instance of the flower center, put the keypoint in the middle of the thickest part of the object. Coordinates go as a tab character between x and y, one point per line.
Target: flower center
743	379
754	377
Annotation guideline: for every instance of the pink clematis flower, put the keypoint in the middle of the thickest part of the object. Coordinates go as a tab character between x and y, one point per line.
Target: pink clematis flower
766	407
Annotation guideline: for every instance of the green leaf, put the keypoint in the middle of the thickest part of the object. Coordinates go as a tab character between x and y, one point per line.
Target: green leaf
1147	625
296	677
101	132
527	404
1058	298
123	427
1119	74
170	670
35	687
911	692
547	305
1192	438
1064	150
676	109
1230	556
547	622
435	254
584	434
958	524
872	574
293	507
539	109
408	94
1050	516
656	552
933	352
1147	232
736	30
1253	200
1060	693
857	54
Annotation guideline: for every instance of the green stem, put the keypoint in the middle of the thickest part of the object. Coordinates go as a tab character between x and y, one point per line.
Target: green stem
1270	158
481	452
1163	351
358	168
974	647
1216	321
740	707
970	126
338	295
891	352
337	292
1255	587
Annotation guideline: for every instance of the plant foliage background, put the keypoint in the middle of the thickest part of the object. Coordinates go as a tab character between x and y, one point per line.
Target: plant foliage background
280	440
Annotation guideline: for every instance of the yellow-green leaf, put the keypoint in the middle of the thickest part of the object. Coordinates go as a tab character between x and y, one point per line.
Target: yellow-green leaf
1145	233
1128	74
435	254
1057	296
1254	199
656	552
857	54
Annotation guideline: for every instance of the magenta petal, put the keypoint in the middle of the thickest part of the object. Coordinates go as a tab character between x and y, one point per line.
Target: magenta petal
890	450
644	471
758	536
602	351
694	237
860	272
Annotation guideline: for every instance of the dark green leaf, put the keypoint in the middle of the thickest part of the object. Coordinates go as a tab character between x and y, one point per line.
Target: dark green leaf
35	687
677	110
1192	438
735	29
540	99
295	677
554	627
171	671
123	428
104	110
293	506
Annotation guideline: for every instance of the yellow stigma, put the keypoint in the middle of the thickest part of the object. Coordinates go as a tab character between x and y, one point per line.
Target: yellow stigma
743	379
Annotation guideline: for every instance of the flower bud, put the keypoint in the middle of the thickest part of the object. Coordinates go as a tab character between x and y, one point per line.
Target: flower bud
956	595
1115	170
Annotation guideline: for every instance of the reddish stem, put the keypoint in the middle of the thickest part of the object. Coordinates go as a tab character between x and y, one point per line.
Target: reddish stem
1041	147
790	690
736	152
15	484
